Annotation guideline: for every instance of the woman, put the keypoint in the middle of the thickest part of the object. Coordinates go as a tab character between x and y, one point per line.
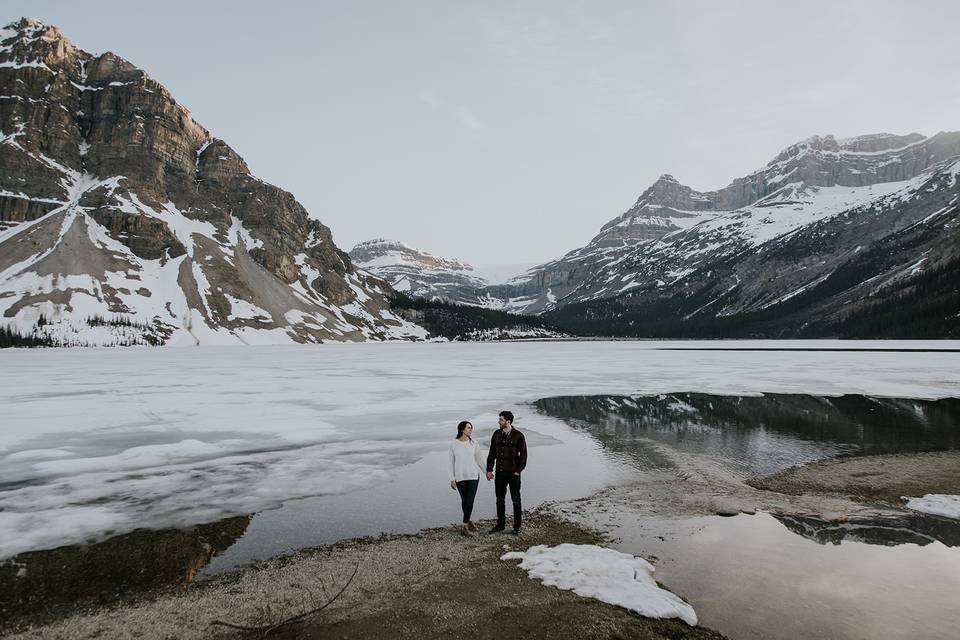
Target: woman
466	464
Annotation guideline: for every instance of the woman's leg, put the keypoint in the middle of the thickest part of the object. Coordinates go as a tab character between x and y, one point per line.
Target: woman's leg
471	493
466	503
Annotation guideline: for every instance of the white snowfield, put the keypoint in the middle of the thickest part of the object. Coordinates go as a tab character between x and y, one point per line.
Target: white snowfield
607	575
938	504
99	442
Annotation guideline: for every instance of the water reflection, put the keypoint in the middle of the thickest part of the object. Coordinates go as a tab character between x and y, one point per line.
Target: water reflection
45	584
751	578
918	530
760	435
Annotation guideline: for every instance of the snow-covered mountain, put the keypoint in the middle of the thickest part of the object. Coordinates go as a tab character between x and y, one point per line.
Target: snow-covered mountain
673	232
421	274
123	220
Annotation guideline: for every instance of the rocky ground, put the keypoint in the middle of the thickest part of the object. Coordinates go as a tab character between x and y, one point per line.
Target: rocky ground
884	478
436	584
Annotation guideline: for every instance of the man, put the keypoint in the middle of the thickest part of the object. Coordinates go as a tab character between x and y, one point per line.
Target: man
508	451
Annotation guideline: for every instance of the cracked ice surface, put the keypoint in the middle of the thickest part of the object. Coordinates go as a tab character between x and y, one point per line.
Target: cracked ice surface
98	442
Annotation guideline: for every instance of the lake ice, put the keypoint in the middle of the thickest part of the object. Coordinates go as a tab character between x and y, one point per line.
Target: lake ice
98	442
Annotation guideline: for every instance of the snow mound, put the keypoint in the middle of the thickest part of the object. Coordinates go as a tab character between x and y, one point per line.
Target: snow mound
937	504
607	575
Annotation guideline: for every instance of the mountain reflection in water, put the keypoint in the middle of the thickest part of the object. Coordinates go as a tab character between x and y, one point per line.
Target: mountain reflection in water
46	584
759	435
918	530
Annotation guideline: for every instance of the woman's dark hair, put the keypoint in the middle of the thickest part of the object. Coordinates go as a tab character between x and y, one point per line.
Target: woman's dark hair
461	427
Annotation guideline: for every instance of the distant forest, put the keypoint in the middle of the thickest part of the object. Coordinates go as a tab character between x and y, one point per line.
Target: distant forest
11	338
457	321
926	305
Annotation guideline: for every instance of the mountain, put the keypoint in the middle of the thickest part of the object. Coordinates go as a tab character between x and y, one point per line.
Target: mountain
672	230
123	220
856	238
418	273
446	296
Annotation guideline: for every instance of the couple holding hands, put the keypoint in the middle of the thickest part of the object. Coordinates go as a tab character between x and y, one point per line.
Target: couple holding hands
505	461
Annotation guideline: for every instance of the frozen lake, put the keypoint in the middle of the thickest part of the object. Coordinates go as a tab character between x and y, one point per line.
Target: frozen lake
270	449
99	442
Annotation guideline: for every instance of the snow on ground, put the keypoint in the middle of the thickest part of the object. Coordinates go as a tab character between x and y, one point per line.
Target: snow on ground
937	504
607	575
97	442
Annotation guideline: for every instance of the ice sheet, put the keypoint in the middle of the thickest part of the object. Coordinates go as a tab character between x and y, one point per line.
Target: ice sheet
154	438
607	575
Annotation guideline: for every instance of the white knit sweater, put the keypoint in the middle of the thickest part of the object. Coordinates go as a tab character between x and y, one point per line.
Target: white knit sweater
465	460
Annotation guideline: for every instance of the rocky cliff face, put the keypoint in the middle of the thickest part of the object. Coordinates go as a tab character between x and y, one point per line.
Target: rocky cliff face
123	219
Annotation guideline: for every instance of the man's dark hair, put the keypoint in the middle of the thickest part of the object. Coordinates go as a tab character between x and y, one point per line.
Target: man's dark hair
508	416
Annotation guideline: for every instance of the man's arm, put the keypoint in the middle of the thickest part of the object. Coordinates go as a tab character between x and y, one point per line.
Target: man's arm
521	453
492	456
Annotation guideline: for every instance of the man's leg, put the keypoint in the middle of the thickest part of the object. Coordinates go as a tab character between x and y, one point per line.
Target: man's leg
515	497
500	482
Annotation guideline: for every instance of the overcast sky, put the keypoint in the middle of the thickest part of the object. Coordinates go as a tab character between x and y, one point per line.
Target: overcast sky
509	132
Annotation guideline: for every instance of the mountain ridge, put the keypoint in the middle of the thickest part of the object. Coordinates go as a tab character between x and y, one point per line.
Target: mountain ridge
805	172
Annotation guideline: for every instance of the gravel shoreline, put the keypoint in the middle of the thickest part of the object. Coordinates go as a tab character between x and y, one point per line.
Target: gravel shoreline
434	584
439	584
880	478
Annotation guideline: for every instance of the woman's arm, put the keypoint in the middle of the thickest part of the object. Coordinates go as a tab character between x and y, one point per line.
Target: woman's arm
478	457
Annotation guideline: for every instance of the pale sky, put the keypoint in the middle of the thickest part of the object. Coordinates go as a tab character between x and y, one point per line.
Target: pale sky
510	132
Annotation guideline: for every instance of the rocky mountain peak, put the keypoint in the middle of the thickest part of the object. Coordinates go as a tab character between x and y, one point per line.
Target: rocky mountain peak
29	41
161	228
667	191
30	29
872	143
811	144
379	245
655	213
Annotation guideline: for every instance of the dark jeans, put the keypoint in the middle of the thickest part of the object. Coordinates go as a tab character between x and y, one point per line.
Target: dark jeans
468	491
500	483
